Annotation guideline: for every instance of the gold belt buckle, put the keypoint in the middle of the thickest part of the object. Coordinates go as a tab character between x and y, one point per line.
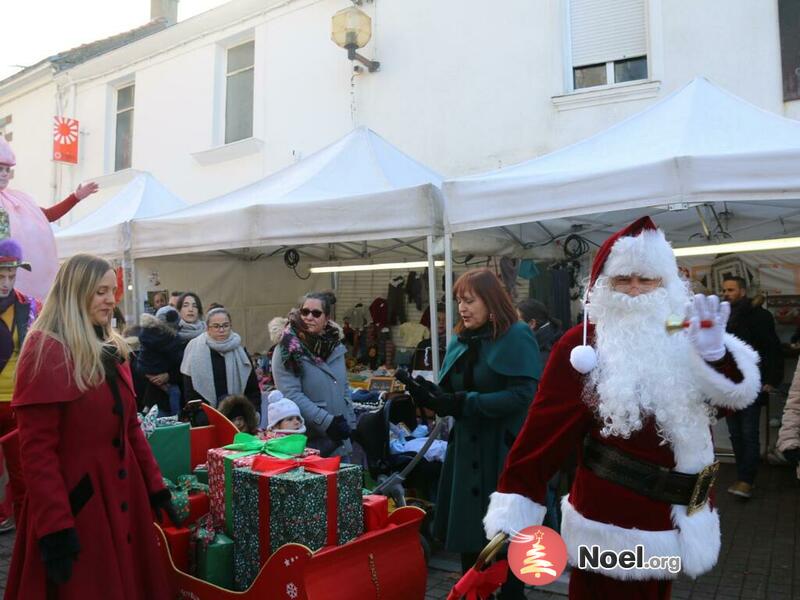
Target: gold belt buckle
705	481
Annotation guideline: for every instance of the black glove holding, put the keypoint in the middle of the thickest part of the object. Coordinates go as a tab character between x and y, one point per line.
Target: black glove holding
448	404
420	394
59	550
792	455
444	404
162	503
338	430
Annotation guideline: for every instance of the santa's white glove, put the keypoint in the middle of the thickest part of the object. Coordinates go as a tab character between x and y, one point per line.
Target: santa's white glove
708	341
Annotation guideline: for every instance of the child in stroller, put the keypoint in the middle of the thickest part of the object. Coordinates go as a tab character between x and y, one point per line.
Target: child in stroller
396	472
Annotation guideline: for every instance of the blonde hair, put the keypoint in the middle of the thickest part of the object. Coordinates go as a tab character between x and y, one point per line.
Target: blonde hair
65	318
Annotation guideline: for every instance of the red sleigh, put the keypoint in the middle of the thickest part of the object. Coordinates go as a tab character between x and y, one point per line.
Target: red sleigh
386	564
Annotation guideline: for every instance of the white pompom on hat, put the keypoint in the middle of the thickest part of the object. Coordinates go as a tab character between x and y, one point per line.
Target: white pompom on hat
638	249
280	408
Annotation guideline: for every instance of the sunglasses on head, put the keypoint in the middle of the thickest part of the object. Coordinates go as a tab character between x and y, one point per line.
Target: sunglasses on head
317	313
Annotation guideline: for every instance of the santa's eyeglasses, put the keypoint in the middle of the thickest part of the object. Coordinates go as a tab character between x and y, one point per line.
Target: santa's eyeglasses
625	283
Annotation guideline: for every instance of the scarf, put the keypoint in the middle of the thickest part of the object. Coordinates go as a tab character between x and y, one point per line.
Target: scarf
189	331
197	365
6	334
472	338
296	342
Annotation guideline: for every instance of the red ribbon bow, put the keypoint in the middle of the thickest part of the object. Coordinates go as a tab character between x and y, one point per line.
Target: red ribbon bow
480	584
315	464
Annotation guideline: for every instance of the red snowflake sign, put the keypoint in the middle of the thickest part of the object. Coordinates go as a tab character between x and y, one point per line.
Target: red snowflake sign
65	140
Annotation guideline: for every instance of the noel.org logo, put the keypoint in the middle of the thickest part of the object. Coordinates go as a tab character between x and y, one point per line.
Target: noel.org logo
537	555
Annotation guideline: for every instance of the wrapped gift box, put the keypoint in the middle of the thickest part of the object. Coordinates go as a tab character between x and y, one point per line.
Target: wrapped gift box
178	541
222	462
376	512
215	561
276	505
201	472
171	449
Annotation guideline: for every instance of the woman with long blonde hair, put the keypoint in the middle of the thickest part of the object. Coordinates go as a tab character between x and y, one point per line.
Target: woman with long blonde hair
85	529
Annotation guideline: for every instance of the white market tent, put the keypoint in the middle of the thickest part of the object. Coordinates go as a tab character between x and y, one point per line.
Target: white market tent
359	199
105	231
734	165
699	145
359	188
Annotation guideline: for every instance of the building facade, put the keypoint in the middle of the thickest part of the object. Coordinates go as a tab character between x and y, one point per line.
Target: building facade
222	99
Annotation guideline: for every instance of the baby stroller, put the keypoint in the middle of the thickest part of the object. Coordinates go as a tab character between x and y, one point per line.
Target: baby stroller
396	472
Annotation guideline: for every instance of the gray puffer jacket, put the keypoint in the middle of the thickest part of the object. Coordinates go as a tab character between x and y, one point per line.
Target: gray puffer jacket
321	391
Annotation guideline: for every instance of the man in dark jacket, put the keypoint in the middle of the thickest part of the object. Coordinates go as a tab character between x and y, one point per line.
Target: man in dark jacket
754	325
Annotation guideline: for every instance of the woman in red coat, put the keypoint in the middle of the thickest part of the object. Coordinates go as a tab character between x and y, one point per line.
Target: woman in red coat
85	529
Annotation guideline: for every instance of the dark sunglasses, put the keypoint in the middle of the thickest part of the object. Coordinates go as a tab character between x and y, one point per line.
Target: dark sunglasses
308	311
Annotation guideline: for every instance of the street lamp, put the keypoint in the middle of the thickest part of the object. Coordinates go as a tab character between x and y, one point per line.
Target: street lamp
351	29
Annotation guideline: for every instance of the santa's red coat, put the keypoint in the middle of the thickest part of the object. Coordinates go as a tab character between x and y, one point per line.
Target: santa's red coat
598	512
65	436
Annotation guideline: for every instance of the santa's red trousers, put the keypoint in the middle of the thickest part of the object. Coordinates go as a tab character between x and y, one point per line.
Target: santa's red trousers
585	585
7	424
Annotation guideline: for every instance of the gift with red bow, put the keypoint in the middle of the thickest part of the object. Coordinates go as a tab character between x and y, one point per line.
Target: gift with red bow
241	453
312	501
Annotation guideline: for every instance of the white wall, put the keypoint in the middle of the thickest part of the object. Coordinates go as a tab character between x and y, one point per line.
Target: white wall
463	87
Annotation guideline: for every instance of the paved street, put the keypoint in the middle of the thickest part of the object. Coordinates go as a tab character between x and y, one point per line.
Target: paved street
760	557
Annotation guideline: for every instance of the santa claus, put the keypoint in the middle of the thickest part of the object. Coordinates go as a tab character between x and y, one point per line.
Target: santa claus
636	402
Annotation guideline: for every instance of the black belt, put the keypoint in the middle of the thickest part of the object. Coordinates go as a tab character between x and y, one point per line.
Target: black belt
648	479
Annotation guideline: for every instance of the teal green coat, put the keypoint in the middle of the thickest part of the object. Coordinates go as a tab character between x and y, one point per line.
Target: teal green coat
505	374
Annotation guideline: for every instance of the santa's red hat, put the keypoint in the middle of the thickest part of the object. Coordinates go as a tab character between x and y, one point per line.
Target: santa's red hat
638	249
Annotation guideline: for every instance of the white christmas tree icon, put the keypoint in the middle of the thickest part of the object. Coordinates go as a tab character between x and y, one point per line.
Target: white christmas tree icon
536	562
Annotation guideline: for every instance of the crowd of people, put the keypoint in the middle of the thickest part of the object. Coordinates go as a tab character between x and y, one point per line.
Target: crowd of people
619	402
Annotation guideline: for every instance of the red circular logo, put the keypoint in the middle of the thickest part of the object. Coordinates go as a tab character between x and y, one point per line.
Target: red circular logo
537	555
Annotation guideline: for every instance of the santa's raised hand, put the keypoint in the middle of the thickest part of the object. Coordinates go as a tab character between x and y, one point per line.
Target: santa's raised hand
708	338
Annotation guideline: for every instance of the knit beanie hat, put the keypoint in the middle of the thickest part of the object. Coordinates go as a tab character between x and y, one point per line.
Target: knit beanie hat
280	408
169	315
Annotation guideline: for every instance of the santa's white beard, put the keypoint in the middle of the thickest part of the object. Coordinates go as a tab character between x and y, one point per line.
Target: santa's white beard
642	370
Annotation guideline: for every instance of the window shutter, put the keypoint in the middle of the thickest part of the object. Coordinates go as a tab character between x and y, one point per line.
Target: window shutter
606	30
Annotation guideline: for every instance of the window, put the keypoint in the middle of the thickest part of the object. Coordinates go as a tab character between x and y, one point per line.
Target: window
239	92
5	123
608	41
789	20
123	144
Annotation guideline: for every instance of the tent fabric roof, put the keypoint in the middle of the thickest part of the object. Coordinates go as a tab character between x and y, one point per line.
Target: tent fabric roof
359	188
101	232
699	144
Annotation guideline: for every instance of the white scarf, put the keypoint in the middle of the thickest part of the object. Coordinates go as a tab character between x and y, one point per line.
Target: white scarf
197	365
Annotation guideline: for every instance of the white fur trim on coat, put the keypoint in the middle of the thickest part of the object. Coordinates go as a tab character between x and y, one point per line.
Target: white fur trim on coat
696	540
511	513
648	254
724	392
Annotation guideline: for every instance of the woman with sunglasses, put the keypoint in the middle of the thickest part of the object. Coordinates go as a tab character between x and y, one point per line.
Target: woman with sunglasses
308	367
215	364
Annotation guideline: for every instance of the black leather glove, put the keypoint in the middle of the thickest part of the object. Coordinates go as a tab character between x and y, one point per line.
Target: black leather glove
448	404
162	503
792	455
59	550
420	394
429	386
338	430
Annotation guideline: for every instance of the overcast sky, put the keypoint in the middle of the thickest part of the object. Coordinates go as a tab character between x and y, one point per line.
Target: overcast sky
31	30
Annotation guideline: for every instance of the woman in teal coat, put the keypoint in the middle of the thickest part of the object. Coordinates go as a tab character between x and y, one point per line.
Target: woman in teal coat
487	384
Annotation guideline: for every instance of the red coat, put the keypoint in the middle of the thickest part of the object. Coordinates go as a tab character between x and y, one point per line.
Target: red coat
598	512
65	437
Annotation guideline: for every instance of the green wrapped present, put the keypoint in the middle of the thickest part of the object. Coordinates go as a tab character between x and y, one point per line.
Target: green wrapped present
171	449
187	484
201	472
215	561
311	501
